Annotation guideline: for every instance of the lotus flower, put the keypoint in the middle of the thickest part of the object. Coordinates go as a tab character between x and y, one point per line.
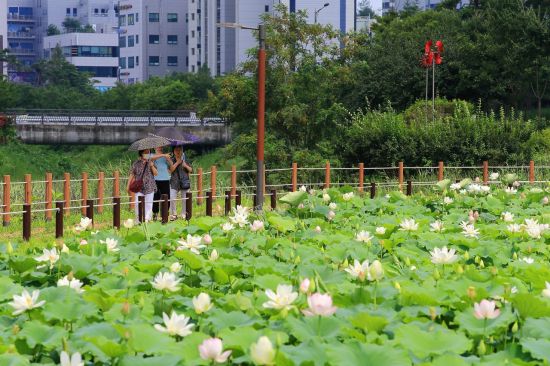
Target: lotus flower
304	285
376	272
494	176
437	227
546	291
65	249
202	303
213	255
347	196
257	225
207	239
74	360
175	325
48	256
514	228
281	299
212	350
455	186
470	231
26	302
193	243
507	216
240	216
262	352
358	270
511	190
317	229
72	283
175	267
545	200
408	225
227	226
83	242
486	310
326	197
380	230
128	224
303	189
331	215
319	304
166	281
447	200
443	256
111	245
527	260
84	224
364	236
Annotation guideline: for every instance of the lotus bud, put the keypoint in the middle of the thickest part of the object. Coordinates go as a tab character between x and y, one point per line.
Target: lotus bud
515	327
125	308
545	200
494	271
477	259
466	255
437	276
297	260
433	313
305	285
9	248
481	349
476	215
345	263
481	264
70	276
125	271
471	292
15	329
515	256
460	269
529	249
397	287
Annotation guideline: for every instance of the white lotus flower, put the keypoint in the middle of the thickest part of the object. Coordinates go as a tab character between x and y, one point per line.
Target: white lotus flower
443	256
262	352
514	228
175	325
202	303
65	249
358	270
527	260
462	191
332	205
257	225
485	189
26	302
545	200
84	224
326	197
364	236
83	242
455	186
175	267
240	216
128	224
494	176
213	255
212	350
312	192
74	360
347	196
74	284
192	243
166	281
317	229
534	229
486	310
227	226
437	227
448	200
510	190
50	255
303	189
546	291
380	230
112	245
470	231
281	299
408	225
376	272
507	216
319	304
331	215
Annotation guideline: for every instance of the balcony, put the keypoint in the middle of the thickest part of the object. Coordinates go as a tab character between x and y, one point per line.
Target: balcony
21	35
21	51
14	17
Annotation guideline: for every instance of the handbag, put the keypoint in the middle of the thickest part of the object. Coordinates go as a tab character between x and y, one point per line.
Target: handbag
182	185
137	184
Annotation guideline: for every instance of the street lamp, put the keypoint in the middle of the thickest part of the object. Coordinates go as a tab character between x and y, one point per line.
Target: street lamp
261	110
319	10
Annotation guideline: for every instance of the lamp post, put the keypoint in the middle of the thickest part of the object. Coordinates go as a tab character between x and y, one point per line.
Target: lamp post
319	10
261	110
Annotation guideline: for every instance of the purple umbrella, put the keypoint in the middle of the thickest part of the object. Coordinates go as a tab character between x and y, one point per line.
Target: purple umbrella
176	136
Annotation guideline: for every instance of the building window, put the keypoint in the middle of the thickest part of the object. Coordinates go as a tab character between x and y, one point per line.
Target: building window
192	34
154	39
122	20
137	60
154	17
186	60
137	17
74	12
267	8
96	11
192	16
154	60
172	17
186	40
172	39
130	41
130	62
122	42
68	12
122	62
172	60
192	68
137	38
130	19
192	51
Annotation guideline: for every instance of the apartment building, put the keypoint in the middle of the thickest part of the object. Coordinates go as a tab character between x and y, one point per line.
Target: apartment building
398	5
21	23
3	34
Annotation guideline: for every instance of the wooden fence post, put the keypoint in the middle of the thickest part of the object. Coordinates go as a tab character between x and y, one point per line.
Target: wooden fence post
189	206
28	189
49	196
67	193
233	179
141	209
209	203
100	192
327	174
361	176
531	172
59	219
199	187
238	198
84	192
116	184
27	222
372	190
90	211
294	178
6	200
401	175
213	171
116	212
273	199
440	171
485	172
409	188
227	202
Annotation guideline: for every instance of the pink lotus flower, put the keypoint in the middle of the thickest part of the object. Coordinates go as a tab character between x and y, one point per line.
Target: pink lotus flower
207	239
319	304
211	350
486	310
257	225
304	285
317	229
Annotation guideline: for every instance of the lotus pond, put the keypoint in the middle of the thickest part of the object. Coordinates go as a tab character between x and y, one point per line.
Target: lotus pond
457	276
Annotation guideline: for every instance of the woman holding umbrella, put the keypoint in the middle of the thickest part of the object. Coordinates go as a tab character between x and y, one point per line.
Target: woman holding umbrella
179	181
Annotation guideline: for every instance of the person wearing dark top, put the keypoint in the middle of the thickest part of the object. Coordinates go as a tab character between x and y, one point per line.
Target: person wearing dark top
162	179
144	169
179	181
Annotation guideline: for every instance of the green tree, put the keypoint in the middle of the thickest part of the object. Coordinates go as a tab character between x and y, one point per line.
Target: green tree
71	25
53	30
365	9
59	72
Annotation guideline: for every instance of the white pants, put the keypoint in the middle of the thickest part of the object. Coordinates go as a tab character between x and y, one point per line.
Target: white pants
174	202
148	205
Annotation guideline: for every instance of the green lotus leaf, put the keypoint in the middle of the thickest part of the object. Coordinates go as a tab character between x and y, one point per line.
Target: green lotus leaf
294	198
437	342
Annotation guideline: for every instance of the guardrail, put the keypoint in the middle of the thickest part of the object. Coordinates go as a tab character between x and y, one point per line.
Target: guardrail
206	188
